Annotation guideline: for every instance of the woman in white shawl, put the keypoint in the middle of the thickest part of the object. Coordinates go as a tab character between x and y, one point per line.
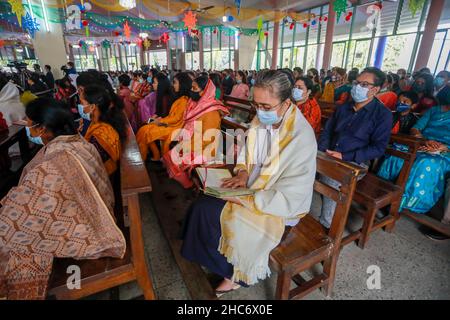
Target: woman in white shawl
233	237
10	105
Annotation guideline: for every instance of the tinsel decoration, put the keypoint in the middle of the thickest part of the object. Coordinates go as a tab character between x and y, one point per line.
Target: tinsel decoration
339	6
147	43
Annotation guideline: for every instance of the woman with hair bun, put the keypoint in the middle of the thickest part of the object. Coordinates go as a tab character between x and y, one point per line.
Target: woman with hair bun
107	128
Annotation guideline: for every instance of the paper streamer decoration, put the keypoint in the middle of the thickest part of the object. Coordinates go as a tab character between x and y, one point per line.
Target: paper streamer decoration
415	5
259	27
18	9
127	30
237	3
190	20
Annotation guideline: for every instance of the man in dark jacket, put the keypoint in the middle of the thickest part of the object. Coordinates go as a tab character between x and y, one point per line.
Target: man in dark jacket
49	79
227	82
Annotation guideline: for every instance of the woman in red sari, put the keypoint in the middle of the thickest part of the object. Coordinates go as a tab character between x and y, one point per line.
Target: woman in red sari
305	101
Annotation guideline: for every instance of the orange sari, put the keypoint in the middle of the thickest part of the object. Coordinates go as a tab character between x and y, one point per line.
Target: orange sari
108	138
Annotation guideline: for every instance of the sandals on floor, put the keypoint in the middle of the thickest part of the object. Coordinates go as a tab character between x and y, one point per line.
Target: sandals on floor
220	293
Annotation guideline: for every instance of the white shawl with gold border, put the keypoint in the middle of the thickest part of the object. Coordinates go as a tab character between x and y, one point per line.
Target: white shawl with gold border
285	186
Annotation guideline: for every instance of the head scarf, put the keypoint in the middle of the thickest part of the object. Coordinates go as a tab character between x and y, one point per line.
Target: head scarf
207	103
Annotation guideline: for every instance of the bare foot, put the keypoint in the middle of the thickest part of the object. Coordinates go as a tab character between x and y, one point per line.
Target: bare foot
226	285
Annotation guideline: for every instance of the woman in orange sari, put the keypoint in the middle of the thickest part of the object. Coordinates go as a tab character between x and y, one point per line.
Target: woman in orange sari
203	113
162	128
107	126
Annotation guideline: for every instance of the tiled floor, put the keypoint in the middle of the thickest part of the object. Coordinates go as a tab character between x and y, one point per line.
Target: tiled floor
412	267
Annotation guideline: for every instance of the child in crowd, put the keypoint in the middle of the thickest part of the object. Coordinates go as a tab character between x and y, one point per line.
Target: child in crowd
403	118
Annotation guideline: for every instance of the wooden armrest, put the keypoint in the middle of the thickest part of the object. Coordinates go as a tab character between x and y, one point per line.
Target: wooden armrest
410	141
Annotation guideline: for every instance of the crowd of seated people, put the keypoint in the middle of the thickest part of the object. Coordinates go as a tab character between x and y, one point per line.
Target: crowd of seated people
85	123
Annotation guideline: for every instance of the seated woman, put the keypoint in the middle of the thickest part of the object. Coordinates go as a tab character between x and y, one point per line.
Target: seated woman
162	128
424	87
62	206
426	181
125	95
203	113
316	91
388	94
338	89
233	237
215	78
107	124
240	89
303	97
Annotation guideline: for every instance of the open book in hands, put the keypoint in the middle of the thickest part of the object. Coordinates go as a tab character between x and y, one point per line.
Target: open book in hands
211	179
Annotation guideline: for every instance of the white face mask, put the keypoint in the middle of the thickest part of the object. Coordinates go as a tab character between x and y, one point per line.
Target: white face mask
297	94
359	94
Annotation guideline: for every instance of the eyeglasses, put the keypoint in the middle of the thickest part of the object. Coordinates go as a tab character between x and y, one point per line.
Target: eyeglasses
363	84
263	106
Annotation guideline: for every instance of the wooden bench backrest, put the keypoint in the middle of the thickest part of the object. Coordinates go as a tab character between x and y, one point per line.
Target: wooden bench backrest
346	174
134	180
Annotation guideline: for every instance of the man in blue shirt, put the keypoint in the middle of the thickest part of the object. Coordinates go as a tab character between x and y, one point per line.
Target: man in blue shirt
358	131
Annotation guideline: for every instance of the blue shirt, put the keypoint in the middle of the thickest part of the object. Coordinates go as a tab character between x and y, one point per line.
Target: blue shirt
360	136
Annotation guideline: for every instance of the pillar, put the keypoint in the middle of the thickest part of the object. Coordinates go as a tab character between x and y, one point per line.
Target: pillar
276	32
200	51
379	53
50	48
329	37
431	24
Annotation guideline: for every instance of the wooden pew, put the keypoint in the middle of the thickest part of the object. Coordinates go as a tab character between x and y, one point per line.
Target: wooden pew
374	193
308	243
106	273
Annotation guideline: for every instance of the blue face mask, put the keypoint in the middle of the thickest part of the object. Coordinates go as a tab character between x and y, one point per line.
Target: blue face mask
149	80
297	94
402	107
268	117
36	140
253	81
439	82
84	115
359	94
238	81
